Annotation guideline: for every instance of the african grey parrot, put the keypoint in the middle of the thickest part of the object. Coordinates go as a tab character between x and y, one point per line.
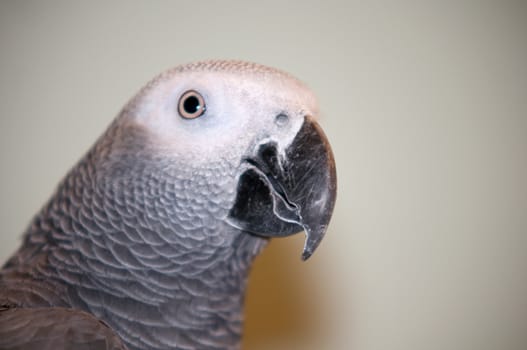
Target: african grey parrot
148	240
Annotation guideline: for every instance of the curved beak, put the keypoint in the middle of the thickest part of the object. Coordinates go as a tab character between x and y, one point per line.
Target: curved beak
282	194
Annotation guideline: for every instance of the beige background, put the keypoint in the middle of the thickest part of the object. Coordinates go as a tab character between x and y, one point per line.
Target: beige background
426	108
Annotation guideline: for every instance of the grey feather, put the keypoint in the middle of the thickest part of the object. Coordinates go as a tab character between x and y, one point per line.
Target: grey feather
54	328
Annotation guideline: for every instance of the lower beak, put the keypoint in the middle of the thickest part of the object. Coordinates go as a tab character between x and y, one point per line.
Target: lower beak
281	195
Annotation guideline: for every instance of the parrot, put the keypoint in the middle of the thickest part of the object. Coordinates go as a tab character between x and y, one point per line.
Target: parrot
148	241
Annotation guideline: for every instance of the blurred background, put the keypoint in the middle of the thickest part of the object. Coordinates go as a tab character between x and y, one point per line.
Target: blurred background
425	106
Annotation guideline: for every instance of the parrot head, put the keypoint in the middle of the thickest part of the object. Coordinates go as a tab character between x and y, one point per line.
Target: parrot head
240	143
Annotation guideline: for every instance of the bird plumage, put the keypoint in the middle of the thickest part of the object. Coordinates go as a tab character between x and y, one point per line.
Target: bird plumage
137	234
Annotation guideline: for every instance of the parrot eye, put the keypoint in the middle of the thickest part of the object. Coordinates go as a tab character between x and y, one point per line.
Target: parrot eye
191	105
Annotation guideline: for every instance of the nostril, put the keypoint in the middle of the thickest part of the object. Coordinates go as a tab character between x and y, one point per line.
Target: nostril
281	119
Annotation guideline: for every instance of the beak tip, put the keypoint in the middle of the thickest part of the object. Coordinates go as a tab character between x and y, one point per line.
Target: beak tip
306	254
313	239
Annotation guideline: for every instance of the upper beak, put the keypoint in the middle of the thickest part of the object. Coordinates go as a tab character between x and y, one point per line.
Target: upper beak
280	195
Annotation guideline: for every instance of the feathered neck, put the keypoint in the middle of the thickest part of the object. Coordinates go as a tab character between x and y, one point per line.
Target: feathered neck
143	252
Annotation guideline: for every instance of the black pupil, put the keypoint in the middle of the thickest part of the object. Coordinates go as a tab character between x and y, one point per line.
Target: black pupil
191	105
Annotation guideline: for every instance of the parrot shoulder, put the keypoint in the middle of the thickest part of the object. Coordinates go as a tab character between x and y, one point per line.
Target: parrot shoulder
54	328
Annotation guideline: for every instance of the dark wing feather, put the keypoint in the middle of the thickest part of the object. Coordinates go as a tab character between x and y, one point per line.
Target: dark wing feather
54	329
